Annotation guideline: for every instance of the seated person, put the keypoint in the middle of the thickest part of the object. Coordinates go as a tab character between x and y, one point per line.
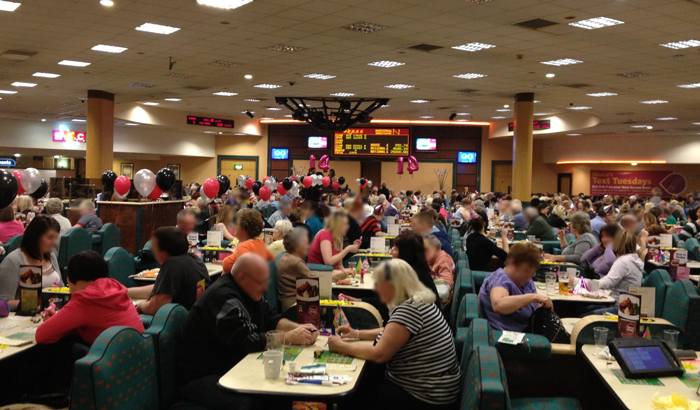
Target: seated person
481	250
8	226
295	217
371	226
423	224
327	248
581	228
355	211
97	303
226	324
182	274
518	219
442	267
54	209
556	219
186	221
282	228
282	212
410	247
88	219
537	225
692	228
601	257
39	240
225	222
203	216
508	296
250	226
422	371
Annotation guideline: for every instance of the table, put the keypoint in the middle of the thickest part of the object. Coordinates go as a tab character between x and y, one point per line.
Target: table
214	269
19	327
367	286
572	298
247	377
693	265
632	396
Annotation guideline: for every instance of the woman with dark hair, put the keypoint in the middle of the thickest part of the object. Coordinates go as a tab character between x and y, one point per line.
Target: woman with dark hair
313	216
481	250
601	258
409	247
39	240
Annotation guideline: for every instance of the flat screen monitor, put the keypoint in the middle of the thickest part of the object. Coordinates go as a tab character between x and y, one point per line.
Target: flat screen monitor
385	142
280	153
426	144
318	142
466	157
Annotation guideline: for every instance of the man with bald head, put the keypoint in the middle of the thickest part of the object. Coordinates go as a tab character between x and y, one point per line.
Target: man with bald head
227	323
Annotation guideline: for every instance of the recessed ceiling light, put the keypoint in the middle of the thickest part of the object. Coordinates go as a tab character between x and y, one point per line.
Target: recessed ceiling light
225	94
694	85
550	75
267	86
576	108
634	164
605	94
9	5
470	76
131	124
151	103
18	155
541	114
173	99
506	106
677	45
157	28
319	76
7	92
642	126
503	110
267	118
399	86
654	102
342	94
248	77
108	3
498	118
696	123
246	112
73	63
109	49
46	75
145	85
251	100
426	117
420	101
364	27
596	22
274	109
21	84
574	135
562	61
43	120
666	119
57	156
224	4
78	120
385	106
386	64
472	47
284	49
537	101
463	113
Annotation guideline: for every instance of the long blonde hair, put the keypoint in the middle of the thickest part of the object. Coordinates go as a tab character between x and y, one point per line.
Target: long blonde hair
226	214
334	225
406	284
25	203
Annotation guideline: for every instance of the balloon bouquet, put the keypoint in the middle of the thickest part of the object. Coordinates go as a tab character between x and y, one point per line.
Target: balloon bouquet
19	182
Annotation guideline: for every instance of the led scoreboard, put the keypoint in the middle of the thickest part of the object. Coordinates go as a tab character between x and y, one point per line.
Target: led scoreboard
389	142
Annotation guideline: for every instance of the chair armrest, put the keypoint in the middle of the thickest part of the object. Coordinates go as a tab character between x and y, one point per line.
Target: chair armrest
533	348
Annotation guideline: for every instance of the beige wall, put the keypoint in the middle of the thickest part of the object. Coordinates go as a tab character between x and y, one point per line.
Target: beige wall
544	176
351	170
424	179
246	145
500	149
192	169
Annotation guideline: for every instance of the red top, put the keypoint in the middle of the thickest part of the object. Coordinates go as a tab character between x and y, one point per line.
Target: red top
91	311
10	229
315	255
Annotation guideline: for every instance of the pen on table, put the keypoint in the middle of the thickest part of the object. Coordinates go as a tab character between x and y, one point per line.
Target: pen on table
321	382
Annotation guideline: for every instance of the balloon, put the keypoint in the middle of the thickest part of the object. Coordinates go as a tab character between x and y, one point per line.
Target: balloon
400	170
363	182
357	181
413	163
326	181
312	162
270	183
165	179
281	189
108	178
241	180
18	174
293	178
249	183
145	181
308	181
324	163
203	195
256	187
336	185
369	183
211	187
224	184
287	184
9	186
30	180
341	180
265	193
122	185
41	191
156	193
265	179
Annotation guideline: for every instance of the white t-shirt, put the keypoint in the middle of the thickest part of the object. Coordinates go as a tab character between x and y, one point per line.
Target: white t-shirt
63	221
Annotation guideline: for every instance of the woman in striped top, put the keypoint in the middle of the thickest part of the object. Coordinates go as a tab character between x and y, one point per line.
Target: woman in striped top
422	371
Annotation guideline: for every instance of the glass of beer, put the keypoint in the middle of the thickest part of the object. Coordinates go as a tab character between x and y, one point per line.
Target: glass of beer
563	283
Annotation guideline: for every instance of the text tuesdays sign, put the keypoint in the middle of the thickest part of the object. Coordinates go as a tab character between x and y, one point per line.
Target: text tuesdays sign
636	182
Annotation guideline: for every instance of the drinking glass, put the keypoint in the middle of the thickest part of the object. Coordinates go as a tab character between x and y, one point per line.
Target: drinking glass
600	335
272	364
275	340
671	337
563	283
551	280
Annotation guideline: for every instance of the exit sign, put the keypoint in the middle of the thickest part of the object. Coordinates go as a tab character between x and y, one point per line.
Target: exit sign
238	167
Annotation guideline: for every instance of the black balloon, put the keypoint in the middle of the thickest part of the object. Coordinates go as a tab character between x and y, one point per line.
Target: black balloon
287	184
8	188
256	187
108	179
362	181
341	180
165	179
41	191
224	184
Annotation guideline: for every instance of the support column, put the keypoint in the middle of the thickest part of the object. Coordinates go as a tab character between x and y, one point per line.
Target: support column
100	133
522	146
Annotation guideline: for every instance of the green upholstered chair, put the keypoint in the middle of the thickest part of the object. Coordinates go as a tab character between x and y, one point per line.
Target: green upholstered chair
519	236
555	232
468	310
479	278
271	294
682	308
463	262
462	279
533	348
550	246
121	266
76	240
660	280
165	331
11	244
319	267
141	264
106	238
570	238
693	247
478	333
120	372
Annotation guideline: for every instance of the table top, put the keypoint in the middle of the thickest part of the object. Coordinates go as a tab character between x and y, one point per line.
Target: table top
690	264
248	377
368	285
19	323
634	396
572	298
213	268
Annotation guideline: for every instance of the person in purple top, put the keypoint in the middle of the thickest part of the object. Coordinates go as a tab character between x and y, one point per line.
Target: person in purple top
508	296
601	258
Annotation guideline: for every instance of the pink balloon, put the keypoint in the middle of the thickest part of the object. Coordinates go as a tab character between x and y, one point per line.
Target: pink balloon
249	183
336	184
265	193
211	188
280	189
312	161
122	185
326	181
400	170
413	164
324	163
308	182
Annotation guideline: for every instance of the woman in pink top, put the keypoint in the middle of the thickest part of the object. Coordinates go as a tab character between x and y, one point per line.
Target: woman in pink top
442	267
327	248
8	226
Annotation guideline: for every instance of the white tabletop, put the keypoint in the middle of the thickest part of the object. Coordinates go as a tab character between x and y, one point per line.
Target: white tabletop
633	396
368	285
248	376
570	297
213	268
19	324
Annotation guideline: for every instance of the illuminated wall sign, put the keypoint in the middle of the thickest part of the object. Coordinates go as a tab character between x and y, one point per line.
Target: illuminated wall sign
536	125
318	142
280	153
426	144
63	163
388	142
7	162
209	122
65	135
238	167
466	157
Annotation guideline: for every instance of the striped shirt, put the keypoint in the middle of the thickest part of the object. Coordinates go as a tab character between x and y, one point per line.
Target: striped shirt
690	230
426	366
370	227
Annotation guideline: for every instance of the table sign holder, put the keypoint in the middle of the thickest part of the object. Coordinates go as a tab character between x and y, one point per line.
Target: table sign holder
308	302
629	315
679	265
325	283
377	245
393	230
29	290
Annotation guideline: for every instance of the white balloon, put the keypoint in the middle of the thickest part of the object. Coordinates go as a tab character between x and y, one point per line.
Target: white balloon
30	180
357	181
203	195
369	184
145	182
241	180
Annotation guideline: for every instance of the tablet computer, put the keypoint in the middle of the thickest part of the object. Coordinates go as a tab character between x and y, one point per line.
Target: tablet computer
643	358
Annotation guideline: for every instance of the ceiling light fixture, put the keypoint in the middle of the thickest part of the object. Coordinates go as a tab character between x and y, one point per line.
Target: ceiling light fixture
251	100
399	86
574	135
130	124
426	117
539	114
562	61
9	5
108	3
469	76
605	94
596	22
248	77
420	101
17	155
284	49
342	95
109	49
269	86
364	27
56	156
503	110
666	119
225	94
46	75
578	108
472	47
21	84
273	109
151	103
694	85
654	102
224	4
677	45
634	164
386	64
642	126
173	99
550	75
463	113
246	112
319	76
157	28
72	63
498	118
43	120
7	92
78	120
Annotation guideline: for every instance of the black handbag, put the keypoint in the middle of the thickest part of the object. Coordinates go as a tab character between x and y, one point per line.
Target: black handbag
548	324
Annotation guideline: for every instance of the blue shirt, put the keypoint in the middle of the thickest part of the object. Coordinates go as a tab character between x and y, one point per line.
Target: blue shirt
91	222
596	224
519	222
518	321
315	224
444	240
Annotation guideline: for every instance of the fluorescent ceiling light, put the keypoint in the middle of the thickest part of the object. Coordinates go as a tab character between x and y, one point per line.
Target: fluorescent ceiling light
109	49
173	99
503	110
472	47
267	118
463	113
666	119
267	86
274	109
562	61
596	22
470	76
248	77
642	126
21	84
151	103
498	118
677	45
574	135
420	101
239	133
319	76
157	28
654	102
696	123
399	86
606	94
342	94
385	106
245	112
224	4
575	108
9	5
426	117
539	114
43	120
251	100
694	85
73	63
386	64
78	120
7	92
550	75
130	124
225	94
288	116
46	75
108	3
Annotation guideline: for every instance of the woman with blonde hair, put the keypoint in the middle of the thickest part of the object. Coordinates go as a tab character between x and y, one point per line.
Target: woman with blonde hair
421	363
556	219
225	222
25	204
649	220
327	248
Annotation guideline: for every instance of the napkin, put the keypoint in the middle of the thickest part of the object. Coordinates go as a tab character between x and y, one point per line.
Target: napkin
674	402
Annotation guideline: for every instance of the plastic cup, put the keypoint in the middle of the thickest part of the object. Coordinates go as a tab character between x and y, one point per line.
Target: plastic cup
551	280
671	337
272	364
600	335
275	340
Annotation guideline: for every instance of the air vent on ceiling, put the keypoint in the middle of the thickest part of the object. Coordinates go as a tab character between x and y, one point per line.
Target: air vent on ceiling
535	24
195	88
17	55
577	85
425	47
624	113
181	76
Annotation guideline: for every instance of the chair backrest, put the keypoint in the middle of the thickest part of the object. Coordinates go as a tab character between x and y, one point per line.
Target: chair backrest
484	384
110	237
271	294
478	334
519	236
555	232
693	247
468	310
570	238
682	308
165	331
479	278
121	266
76	240
12	244
119	372
660	280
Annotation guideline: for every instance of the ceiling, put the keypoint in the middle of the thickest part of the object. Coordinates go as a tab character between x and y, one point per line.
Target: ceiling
67	30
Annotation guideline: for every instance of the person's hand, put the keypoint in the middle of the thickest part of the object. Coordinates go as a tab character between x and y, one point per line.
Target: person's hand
346	332
349	298
47	314
353	248
561	233
334	343
504	234
543	300
548	256
302	335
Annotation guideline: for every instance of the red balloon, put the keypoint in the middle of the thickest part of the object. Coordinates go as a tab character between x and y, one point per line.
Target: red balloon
363	185
211	188
308	182
336	184
156	193
265	193
280	189
326	181
249	183
122	185
17	174
293	178
265	179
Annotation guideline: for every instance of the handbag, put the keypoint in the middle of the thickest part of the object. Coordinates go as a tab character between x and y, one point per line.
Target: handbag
546	323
